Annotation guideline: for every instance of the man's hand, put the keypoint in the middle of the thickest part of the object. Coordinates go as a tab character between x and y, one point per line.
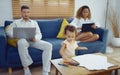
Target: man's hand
32	40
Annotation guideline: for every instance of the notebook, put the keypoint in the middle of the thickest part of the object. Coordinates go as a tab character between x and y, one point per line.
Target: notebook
26	33
87	27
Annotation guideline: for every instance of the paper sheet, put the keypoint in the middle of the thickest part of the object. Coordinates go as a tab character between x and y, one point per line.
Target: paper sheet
93	62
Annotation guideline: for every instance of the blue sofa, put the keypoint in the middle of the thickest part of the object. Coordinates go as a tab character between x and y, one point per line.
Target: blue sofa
9	55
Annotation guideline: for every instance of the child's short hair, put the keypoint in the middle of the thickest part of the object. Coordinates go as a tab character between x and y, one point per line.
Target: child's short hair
70	28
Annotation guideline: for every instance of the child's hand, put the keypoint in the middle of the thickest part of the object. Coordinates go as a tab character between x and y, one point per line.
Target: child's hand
81	48
84	48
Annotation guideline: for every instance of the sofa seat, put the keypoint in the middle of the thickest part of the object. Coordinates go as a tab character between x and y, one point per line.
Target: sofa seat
98	47
56	46
12	54
35	54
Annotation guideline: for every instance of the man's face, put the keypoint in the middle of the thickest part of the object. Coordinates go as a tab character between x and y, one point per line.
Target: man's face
25	13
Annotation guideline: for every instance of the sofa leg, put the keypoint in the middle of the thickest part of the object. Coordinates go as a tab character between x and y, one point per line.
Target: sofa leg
10	70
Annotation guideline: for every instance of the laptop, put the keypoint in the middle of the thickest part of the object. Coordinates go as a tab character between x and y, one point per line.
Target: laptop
87	27
26	33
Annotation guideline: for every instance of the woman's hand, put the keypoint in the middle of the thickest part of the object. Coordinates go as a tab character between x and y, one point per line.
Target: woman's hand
94	26
79	28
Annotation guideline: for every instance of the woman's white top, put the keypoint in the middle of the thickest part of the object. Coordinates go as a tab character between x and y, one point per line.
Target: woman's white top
78	22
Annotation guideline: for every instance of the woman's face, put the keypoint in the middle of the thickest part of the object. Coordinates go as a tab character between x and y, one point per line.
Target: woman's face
85	13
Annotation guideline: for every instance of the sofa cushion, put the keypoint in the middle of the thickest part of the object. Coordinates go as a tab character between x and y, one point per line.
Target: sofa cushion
61	31
49	28
12	41
7	23
69	20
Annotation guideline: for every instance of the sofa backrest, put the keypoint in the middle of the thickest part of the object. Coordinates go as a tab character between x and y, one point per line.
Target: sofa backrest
49	27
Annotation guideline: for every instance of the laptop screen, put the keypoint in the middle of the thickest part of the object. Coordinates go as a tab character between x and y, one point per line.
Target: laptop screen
26	33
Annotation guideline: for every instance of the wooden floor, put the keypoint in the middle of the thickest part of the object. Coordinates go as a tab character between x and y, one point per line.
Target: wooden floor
37	70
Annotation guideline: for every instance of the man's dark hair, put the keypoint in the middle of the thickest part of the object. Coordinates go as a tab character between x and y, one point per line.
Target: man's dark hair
24	7
70	28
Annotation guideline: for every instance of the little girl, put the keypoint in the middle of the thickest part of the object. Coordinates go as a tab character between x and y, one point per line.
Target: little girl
69	46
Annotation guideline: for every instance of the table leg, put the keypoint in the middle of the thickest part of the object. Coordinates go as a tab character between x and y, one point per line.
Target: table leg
10	70
116	72
56	72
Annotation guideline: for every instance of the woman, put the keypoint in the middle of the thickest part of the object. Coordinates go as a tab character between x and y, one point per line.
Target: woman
83	16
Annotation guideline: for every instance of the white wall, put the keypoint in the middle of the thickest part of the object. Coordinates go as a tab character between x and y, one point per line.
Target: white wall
118	5
118	10
97	7
5	11
113	5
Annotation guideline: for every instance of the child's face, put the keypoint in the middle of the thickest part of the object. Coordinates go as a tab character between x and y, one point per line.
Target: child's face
85	13
70	36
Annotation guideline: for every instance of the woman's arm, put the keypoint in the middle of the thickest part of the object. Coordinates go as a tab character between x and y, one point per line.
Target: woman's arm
94	26
79	28
75	22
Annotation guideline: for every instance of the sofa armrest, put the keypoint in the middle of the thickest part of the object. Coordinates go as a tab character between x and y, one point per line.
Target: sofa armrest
103	33
3	44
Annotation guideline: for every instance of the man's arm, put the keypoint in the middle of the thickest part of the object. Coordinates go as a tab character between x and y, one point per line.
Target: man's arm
38	35
9	30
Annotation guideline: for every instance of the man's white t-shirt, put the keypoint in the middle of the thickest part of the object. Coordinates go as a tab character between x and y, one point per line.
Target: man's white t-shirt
22	23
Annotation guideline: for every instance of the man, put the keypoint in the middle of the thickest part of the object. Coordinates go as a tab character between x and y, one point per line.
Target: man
35	42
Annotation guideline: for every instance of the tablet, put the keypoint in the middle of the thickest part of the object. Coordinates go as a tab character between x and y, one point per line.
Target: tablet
26	33
87	27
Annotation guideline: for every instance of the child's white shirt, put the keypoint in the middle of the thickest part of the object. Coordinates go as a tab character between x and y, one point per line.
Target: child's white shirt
70	48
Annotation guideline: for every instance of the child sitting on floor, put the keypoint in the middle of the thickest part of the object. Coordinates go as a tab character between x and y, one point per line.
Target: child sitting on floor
69	45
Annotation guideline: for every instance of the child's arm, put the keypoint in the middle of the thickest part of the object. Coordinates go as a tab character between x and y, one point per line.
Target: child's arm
62	49
81	48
